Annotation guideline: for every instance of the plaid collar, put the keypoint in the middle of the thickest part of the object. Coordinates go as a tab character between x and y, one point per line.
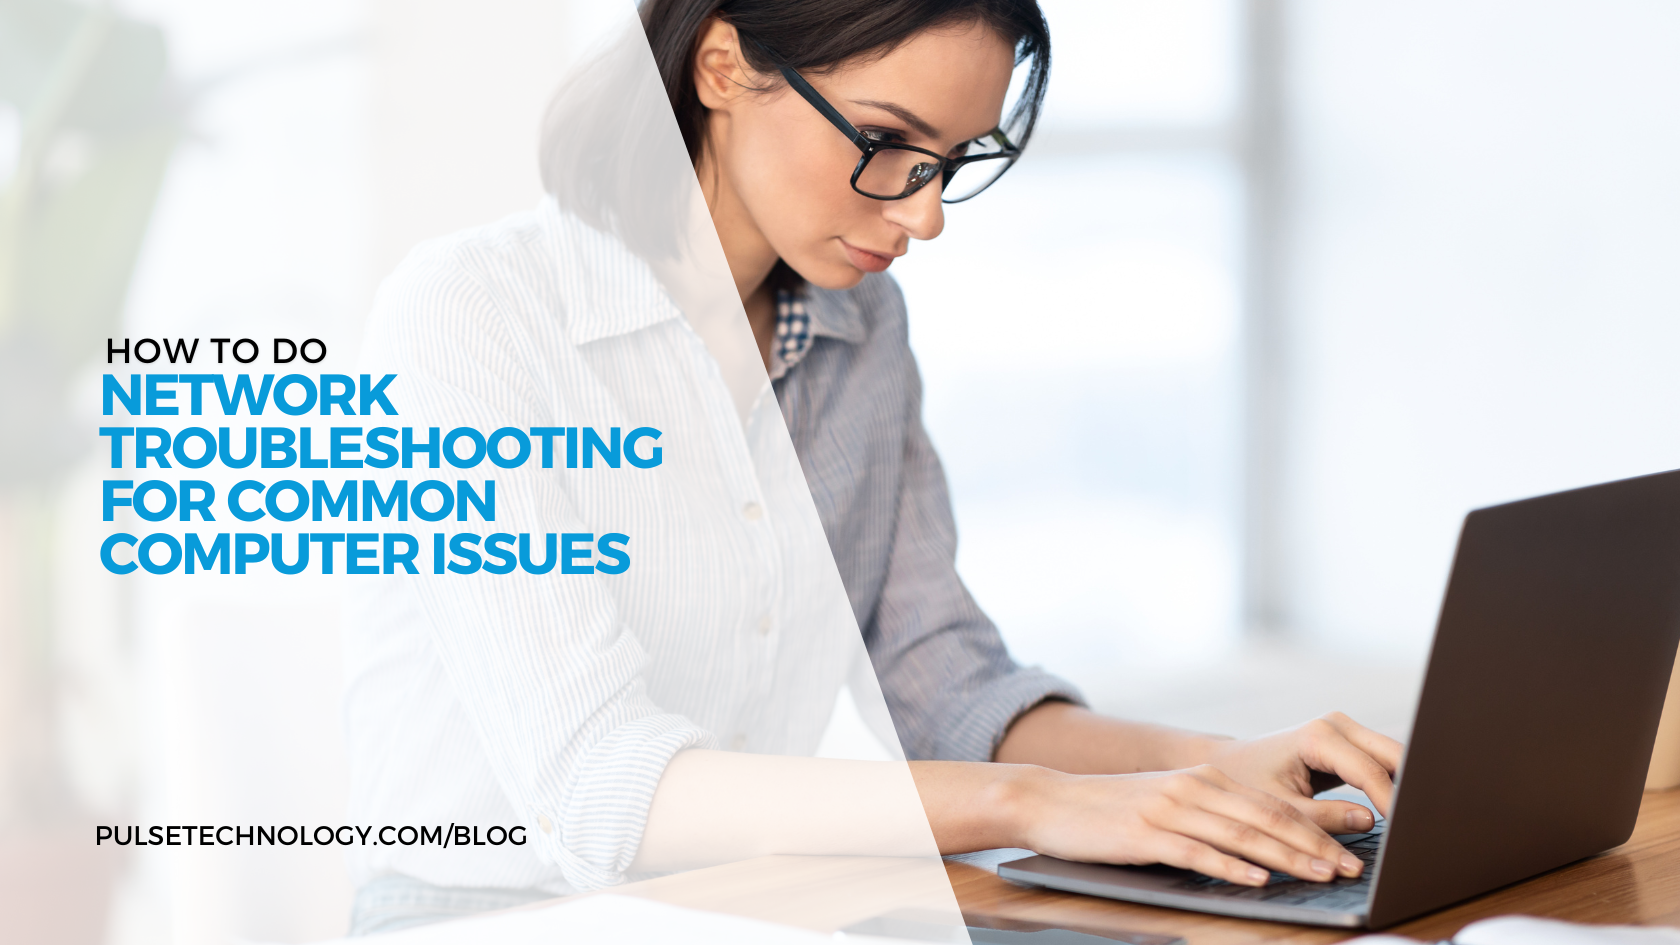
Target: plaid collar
803	315
793	329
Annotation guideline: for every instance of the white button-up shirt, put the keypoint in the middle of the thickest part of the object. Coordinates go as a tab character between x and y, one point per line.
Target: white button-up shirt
558	699
555	701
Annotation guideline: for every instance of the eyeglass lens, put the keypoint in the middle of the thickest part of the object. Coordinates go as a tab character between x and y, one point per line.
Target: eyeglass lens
973	178
893	172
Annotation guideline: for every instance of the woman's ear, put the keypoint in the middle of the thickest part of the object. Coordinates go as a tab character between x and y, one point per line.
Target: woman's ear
719	73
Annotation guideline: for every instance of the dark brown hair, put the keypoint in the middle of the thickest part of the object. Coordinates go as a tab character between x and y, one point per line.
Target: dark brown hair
814	35
606	153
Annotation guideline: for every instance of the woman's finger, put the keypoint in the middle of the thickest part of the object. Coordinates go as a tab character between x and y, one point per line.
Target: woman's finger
1385	750
1241	839
1175	849
1277	819
1336	817
1328	750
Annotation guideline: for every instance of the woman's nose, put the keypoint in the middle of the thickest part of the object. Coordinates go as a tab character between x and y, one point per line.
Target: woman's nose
920	214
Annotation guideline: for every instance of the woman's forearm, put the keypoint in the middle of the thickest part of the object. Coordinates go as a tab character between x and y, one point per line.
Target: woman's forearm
973	806
718	807
715	807
1071	738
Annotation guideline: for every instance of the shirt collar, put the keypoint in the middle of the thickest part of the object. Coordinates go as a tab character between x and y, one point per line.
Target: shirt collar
616	292
835	313
608	290
804	313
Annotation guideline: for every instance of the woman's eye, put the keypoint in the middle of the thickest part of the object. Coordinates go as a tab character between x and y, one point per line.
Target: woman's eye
883	137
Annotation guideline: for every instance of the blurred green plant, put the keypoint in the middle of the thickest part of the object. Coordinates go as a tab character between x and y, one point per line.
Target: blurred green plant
95	117
98	117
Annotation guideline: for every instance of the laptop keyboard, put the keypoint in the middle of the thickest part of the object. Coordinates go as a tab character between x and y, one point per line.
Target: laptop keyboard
1283	889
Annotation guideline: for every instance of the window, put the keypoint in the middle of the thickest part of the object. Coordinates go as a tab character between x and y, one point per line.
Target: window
1079	330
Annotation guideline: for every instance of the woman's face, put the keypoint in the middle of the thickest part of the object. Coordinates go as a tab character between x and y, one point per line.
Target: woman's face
784	171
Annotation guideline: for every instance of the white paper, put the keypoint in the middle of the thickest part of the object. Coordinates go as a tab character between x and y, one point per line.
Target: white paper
623	920
1527	930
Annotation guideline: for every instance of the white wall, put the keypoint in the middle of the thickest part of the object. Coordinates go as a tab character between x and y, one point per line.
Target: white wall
1483	299
457	92
328	138
1078	329
261	229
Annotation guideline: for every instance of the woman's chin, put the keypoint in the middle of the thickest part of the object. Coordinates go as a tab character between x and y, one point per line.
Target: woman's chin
830	275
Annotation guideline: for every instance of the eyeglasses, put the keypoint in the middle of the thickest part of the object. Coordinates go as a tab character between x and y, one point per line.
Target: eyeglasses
892	171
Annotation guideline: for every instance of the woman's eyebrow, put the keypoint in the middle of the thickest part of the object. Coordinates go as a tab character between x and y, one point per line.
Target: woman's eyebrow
902	114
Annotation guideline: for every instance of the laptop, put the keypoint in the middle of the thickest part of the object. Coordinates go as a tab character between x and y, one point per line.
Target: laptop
1533	732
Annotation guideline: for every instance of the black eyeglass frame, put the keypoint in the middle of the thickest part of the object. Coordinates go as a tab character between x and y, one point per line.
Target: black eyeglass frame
948	166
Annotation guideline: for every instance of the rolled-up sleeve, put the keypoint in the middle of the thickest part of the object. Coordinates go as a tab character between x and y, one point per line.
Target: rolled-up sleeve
949	681
549	677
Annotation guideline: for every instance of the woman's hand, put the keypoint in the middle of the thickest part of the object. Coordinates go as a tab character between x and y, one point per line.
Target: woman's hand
1199	818
1250	801
1283	764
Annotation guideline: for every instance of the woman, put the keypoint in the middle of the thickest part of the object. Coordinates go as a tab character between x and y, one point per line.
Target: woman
824	135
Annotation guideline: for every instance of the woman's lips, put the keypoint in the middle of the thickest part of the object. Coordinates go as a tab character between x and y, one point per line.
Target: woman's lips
866	260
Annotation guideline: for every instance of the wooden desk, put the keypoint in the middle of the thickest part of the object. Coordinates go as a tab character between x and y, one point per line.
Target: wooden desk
1637	883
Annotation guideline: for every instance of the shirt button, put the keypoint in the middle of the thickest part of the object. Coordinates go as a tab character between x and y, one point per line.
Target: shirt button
737	743
543	823
752	511
764	625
